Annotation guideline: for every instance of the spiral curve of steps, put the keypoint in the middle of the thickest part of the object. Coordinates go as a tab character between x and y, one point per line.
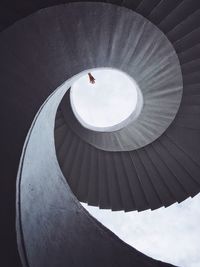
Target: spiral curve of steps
156	175
131	178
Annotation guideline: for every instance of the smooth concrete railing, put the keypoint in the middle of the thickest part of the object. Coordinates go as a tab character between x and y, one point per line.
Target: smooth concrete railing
53	229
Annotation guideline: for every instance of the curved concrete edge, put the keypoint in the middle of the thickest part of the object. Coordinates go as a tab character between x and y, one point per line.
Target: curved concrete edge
133	116
19	227
150	59
79	49
53	229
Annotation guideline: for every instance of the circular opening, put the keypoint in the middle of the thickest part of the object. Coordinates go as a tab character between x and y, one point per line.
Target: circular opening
105	99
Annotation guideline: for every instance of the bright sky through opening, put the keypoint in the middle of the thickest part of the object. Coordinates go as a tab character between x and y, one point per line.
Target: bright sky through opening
108	102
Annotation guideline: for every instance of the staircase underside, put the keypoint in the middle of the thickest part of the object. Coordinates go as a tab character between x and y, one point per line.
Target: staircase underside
29	75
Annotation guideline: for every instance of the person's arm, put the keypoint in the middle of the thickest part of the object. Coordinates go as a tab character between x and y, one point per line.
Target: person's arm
92	79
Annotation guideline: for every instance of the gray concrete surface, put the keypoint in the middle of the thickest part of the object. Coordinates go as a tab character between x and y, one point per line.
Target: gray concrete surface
122	39
53	229
25	85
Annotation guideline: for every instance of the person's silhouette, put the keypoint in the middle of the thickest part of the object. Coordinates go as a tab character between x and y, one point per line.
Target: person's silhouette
92	79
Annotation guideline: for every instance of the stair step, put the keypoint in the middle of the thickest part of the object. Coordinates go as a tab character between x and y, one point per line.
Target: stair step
178	15
191	67
188	25
83	180
113	186
162	190
135	186
63	150
190	90
162	10
190	121
131	4
76	166
187	140
189	110
186	42
192	78
125	192
144	180
146	7
69	157
181	175
189	54
93	189
166	175
184	160
59	136
104	200
59	122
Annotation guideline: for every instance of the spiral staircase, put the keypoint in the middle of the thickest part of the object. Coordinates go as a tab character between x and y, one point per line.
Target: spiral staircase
62	163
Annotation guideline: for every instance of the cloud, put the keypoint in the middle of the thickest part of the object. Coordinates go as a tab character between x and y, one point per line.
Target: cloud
109	101
169	234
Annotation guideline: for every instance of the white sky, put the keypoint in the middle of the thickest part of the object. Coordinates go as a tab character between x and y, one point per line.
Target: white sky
169	234
108	102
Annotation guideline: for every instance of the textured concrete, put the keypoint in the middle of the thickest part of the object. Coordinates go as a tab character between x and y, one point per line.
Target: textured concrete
26	84
123	39
119	77
53	228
